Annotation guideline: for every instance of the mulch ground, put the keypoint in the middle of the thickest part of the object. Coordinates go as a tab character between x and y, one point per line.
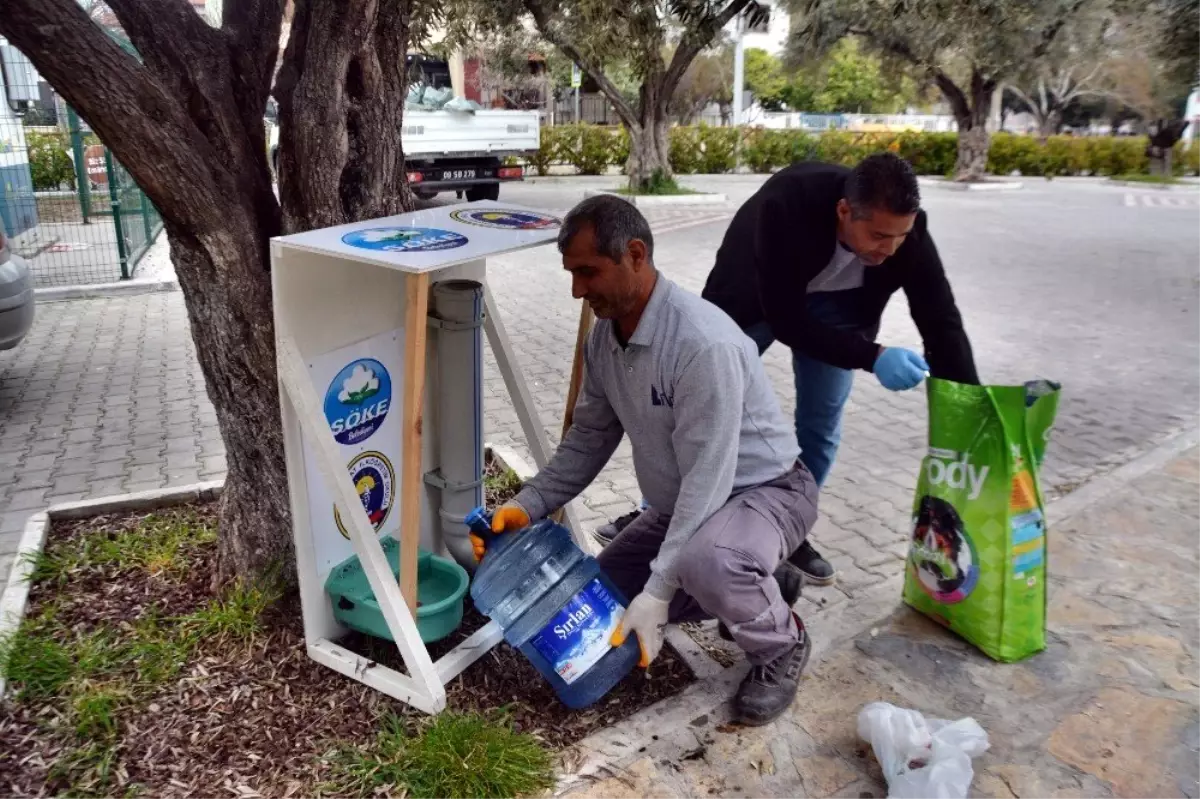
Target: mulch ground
254	718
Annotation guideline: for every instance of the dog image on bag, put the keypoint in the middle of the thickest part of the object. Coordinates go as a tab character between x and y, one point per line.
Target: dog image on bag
941	553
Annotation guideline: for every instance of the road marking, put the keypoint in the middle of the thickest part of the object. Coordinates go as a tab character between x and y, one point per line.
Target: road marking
1160	201
707	220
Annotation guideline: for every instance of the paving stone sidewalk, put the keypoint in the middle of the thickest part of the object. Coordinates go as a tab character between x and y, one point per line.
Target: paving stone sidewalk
1110	708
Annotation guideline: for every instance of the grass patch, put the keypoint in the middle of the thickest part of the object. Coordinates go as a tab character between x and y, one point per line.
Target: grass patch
1158	180
84	678
161	544
453	755
502	482
657	184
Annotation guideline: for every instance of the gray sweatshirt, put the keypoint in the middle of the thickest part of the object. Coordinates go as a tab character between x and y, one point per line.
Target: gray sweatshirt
691	392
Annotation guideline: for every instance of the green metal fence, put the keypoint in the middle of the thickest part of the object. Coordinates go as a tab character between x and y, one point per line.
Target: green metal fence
72	210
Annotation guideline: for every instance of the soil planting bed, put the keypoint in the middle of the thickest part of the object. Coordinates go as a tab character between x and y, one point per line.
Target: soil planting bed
243	711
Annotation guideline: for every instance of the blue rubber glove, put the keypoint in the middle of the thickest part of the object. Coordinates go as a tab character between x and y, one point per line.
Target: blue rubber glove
899	369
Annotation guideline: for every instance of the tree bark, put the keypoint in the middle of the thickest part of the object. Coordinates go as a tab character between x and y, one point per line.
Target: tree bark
649	144
649	154
971	113
187	123
1050	123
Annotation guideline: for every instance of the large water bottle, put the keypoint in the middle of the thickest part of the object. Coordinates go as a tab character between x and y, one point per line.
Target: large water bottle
555	606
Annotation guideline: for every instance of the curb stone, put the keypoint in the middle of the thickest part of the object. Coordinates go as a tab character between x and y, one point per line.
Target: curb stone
988	185
654	201
125	288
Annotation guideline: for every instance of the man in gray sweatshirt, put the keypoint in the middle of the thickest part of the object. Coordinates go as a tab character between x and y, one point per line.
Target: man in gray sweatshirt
715	458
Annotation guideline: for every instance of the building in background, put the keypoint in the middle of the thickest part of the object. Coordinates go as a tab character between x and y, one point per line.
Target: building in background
772	36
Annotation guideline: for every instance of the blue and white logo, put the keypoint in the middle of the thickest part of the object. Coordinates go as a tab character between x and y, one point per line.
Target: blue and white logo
579	635
404	239
357	400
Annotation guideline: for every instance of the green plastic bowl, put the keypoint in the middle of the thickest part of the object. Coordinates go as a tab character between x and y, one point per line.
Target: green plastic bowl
441	585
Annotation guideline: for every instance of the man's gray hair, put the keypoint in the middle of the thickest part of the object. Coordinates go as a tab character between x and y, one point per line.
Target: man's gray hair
615	222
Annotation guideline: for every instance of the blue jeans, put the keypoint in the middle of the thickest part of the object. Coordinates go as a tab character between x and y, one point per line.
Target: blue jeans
821	389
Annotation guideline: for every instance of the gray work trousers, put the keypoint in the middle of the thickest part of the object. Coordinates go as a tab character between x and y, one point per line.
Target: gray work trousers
725	570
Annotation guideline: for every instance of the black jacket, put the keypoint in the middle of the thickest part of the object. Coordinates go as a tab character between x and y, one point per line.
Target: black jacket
785	235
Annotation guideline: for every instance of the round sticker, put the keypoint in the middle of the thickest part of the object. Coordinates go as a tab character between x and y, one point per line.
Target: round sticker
373	478
942	557
357	400
501	219
404	239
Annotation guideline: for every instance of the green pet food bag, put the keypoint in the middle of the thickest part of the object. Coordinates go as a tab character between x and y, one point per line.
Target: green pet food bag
977	556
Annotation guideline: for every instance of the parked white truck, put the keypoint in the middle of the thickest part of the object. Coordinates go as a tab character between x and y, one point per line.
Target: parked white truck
456	148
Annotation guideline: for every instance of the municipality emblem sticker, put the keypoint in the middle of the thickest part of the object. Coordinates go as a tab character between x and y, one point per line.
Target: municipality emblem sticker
404	239
374	482
357	400
500	219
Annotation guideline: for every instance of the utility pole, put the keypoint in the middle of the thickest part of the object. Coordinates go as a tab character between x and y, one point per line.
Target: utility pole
739	76
576	82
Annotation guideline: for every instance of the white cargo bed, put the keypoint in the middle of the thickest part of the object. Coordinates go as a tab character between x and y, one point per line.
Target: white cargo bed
440	134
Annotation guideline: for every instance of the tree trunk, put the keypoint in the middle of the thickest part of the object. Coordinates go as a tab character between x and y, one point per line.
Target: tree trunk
971	112
227	290
1160	161
649	144
649	154
973	144
1050	123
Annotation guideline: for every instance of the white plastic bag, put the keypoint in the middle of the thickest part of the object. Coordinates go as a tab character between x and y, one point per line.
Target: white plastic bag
922	758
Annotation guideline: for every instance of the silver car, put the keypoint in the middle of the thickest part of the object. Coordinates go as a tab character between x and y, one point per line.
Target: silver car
16	295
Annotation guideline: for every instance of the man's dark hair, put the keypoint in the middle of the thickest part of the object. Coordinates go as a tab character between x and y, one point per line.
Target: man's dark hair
615	222
883	182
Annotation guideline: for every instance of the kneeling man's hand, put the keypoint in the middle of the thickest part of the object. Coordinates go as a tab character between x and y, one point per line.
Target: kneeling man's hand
509	518
645	617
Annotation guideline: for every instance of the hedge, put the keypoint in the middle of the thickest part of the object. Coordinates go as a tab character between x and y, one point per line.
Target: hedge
591	149
50	167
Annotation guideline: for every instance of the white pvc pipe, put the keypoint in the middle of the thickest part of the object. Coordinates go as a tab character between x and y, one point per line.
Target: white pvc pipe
458	304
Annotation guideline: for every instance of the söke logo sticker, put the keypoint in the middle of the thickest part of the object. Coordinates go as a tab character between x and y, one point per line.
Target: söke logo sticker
357	400
404	239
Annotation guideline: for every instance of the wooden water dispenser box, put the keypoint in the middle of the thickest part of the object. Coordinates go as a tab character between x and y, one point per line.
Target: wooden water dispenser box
361	421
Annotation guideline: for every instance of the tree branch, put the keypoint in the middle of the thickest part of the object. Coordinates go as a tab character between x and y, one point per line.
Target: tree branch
541	14
251	30
959	105
144	22
693	43
1050	33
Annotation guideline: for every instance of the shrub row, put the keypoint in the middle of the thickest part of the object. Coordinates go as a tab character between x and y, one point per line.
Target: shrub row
50	167
591	149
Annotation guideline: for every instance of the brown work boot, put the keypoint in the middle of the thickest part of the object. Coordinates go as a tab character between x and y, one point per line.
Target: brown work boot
769	689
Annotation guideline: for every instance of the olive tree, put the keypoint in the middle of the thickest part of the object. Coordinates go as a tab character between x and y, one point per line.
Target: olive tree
966	49
603	36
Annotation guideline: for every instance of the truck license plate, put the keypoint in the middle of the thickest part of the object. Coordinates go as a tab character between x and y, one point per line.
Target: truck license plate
458	174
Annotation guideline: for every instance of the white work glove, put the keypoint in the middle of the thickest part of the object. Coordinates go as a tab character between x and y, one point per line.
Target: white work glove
645	617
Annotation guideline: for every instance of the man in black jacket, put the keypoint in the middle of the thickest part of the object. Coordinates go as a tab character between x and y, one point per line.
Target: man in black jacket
811	261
